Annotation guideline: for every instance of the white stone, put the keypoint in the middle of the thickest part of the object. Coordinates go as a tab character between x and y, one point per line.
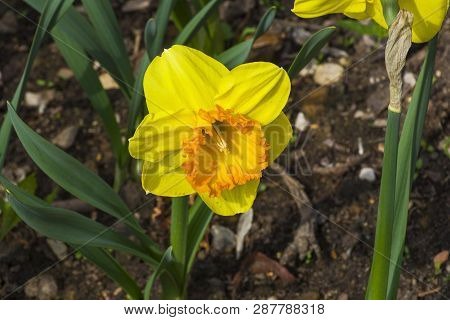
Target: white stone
224	240
328	73
66	137
58	247
367	174
409	79
135	5
301	123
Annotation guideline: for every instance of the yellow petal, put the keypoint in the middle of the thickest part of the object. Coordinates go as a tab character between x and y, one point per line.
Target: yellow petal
374	10
428	17
230	202
181	79
278	133
258	90
317	8
154	139
162	179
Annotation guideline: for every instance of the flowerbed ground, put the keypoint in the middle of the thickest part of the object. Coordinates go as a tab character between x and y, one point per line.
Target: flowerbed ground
343	117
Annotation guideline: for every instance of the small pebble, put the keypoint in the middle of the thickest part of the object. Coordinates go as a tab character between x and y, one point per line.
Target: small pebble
301	123
409	79
367	174
135	5
224	240
43	287
8	23
58	248
65	73
328	73
380	123
66	137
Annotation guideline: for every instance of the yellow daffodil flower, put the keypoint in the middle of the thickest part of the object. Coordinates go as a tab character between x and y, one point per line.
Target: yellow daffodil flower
428	14
210	130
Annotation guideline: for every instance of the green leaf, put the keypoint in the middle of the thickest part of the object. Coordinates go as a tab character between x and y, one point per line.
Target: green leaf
196	22
108	32
170	279
51	13
21	194
409	146
162	19
75	57
372	29
75	178
181	14
199	218
149	34
239	53
69	173
137	100
8	218
78	28
113	269
310	49
390	10
68	226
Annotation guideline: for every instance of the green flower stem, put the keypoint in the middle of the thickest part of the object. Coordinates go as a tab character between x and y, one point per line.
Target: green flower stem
390	10
178	228
409	146
179	233
379	275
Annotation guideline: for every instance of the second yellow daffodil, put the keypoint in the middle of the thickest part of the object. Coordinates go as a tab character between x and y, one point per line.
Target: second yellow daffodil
210	130
428	14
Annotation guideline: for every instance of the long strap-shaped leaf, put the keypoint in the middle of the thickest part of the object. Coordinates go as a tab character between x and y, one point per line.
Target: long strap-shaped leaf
99	256
74	177
196	22
74	36
108	32
167	272
51	13
162	19
239	53
199	218
68	172
409	146
68	226
78	28
137	100
310	50
113	269
75	57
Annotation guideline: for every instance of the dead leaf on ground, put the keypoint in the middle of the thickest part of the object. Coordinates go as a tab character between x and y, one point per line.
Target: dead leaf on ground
260	263
440	259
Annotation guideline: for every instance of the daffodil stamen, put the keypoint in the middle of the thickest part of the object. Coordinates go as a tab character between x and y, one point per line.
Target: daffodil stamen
232	152
221	143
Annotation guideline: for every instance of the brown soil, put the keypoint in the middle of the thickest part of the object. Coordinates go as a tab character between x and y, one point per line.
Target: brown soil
344	206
